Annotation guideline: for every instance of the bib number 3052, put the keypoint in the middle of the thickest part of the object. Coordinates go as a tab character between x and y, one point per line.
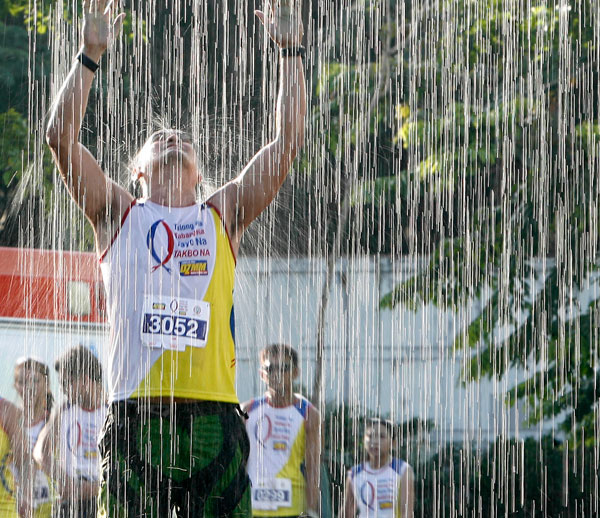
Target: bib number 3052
174	323
174	326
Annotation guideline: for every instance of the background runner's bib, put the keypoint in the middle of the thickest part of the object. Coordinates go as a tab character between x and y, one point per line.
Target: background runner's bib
277	457
376	491
169	278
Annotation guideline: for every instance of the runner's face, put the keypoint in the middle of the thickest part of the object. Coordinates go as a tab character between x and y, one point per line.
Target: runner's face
29	384
378	442
277	371
169	147
71	388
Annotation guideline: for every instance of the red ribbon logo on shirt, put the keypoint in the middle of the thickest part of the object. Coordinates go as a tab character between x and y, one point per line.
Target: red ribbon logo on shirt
367	495
263	430
151	245
74	437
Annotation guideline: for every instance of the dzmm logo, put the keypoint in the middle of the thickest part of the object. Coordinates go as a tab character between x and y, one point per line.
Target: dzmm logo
193	268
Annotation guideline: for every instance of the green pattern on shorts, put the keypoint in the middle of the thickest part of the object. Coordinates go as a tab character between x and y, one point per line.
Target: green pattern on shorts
226	479
244	507
171	458
181	458
203	451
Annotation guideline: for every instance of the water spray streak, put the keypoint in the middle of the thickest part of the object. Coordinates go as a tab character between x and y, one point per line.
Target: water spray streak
426	277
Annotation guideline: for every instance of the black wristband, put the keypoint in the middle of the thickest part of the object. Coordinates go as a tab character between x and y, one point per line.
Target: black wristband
87	62
288	52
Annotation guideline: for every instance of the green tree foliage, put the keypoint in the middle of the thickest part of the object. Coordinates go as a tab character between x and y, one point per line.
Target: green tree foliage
517	478
14	55
18	159
352	152
12	146
502	178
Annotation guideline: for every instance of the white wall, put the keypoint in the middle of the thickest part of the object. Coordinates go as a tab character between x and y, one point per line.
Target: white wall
397	361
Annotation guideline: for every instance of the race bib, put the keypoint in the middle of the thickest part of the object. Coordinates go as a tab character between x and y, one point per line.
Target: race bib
270	495
174	323
41	489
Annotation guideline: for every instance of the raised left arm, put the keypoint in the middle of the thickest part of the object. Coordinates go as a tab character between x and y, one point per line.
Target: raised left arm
244	198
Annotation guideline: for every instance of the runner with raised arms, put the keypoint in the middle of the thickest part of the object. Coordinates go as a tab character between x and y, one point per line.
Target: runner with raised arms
168	263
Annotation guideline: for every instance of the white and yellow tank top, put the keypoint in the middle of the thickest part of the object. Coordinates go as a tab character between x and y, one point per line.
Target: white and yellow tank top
169	277
8	504
78	448
277	453
376	490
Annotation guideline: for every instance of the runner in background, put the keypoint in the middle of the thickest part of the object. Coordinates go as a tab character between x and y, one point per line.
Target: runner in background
32	383
382	486
67	448
285	441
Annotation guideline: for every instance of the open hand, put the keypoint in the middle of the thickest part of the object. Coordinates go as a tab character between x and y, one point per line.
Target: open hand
100	25
283	22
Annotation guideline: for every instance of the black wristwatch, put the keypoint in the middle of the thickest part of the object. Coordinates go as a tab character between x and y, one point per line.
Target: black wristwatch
288	52
87	62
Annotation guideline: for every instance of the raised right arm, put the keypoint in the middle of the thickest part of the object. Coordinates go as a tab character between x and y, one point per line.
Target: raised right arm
101	199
